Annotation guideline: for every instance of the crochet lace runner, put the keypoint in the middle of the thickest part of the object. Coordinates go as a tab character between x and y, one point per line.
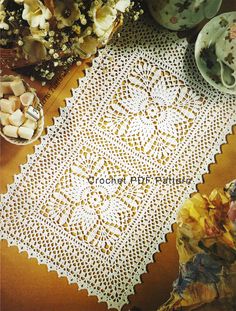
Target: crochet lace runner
142	110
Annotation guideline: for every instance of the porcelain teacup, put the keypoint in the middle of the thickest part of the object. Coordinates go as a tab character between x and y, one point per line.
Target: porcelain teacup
182	14
225	49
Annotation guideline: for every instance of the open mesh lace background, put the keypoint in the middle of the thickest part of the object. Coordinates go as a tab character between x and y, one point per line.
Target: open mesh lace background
141	110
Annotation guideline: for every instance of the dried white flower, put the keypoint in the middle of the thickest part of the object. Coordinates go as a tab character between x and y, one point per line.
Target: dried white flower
34	48
89	47
66	12
36	14
3	24
86	46
51	33
3	41
103	18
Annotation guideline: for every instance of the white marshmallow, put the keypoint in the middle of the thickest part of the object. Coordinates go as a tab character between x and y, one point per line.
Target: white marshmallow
27	99
4	117
16	100
32	113
25	132
17	118
7	105
5	88
11	131
17	87
30	124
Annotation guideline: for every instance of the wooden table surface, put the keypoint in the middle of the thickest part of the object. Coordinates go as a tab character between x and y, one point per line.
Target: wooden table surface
27	286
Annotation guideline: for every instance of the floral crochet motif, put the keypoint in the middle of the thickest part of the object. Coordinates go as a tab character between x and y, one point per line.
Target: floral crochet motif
94	212
151	111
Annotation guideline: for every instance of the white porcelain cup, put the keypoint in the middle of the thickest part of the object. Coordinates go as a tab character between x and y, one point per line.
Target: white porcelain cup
181	14
225	49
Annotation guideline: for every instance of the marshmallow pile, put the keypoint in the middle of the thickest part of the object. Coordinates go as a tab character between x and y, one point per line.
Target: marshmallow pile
17	113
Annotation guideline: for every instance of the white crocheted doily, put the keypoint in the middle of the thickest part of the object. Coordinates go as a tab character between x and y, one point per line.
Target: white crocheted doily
142	110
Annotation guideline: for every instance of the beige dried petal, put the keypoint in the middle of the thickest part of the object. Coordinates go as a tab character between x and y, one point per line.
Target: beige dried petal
122	5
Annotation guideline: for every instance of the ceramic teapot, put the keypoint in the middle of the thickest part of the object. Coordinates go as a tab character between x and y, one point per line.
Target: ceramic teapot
182	14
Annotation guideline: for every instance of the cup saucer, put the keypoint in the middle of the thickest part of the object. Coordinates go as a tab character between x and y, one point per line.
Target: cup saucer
205	55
